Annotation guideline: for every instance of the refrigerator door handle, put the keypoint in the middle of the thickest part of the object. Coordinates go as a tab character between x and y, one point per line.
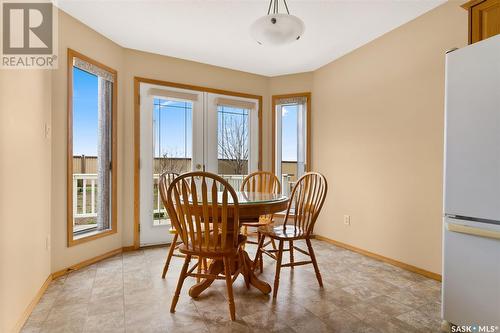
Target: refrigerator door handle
473	231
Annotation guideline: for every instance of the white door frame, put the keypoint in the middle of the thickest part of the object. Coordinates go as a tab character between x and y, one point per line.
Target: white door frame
159	234
204	144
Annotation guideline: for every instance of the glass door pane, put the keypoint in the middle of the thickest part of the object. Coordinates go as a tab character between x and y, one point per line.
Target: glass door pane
291	142
289	146
171	141
233	144
172	145
232	137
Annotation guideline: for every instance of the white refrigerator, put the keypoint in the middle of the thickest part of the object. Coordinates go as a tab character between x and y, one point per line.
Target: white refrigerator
471	226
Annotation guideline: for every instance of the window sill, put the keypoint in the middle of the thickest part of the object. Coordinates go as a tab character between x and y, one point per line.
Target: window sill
89	236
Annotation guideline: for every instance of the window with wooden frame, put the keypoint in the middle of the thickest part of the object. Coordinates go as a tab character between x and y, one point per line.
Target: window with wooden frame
92	148
291	137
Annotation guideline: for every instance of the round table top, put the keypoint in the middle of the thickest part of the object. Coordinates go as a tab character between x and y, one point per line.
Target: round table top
255	198
254	204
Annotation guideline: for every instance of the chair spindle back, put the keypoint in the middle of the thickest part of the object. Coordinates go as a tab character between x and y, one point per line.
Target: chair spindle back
164	182
261	181
199	208
307	198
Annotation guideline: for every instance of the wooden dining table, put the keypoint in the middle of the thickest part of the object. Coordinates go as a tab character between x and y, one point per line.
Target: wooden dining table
252	205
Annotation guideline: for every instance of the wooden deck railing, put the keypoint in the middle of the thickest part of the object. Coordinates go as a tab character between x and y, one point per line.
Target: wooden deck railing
85	193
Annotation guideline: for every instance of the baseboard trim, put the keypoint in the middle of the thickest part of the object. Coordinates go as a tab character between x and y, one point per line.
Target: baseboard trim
27	312
128	248
393	262
86	263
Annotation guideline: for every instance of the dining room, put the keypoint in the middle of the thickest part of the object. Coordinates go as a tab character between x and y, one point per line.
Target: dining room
249	166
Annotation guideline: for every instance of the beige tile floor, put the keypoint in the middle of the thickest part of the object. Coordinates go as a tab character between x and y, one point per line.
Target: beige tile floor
126	294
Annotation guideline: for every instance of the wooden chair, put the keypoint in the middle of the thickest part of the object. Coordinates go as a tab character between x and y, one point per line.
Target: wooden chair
208	227
307	198
164	182
263	182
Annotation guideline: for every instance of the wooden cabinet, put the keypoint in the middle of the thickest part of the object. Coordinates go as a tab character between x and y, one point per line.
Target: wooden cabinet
484	19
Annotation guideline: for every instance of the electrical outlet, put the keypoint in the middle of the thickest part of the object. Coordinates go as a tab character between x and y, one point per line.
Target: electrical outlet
347	219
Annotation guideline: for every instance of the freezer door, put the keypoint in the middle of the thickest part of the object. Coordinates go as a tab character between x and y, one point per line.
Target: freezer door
471	273
472	138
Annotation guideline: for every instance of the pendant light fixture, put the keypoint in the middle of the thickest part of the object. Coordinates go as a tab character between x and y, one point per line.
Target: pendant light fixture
277	28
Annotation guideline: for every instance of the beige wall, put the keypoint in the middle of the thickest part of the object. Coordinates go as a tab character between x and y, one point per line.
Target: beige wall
24	191
292	83
377	132
75	35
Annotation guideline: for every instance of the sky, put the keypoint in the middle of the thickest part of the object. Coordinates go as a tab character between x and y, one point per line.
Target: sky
174	123
84	113
289	114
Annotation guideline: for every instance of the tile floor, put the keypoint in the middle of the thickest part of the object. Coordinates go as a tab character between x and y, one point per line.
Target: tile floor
125	293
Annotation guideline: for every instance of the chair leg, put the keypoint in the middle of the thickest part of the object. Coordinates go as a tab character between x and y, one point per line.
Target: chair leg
205	264
315	263
261	262
261	258
273	244
229	286
169	256
279	257
199	269
182	277
245	232
258	254
290	245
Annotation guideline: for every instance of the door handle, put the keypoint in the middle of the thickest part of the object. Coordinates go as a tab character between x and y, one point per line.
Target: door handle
198	166
463	229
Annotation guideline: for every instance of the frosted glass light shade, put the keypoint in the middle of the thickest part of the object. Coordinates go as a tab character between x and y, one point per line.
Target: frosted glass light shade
277	29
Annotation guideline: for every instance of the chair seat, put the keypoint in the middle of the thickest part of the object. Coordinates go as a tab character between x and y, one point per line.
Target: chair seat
279	231
209	251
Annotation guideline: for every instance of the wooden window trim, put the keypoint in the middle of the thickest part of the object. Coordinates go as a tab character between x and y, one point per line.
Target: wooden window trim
274	98
69	175
137	133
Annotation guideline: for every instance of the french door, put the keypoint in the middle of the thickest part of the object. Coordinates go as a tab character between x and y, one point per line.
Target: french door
187	130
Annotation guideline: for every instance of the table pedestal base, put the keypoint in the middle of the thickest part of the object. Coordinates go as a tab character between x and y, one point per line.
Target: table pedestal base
217	267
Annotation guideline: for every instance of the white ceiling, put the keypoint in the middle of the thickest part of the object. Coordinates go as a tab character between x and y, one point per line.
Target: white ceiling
216	32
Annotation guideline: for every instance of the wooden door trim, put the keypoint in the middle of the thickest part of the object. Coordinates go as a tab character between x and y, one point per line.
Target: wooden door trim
137	133
475	10
274	98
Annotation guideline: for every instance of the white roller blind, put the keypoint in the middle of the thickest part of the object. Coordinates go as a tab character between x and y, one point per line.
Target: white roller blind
291	100
173	94
235	103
